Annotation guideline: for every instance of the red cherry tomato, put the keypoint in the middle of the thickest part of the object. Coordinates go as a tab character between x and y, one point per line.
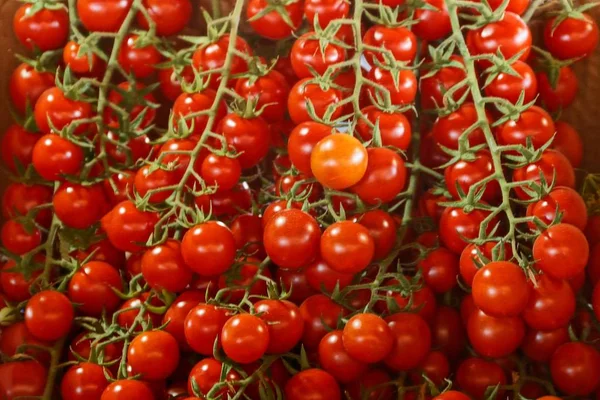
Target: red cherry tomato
571	37
45	29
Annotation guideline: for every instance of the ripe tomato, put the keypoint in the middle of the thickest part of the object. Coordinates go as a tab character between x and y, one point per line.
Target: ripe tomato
384	178
554	166
142	100
534	124
448	130
153	354
475	375
126	318
509	87
83	381
399	41
221	171
127	227
320	276
54	106
435	366
565	200
540	345
169	18
313	383
375	382
49	315
394	128
562	251
466	173
270	92
245	338
79	206
500	289
302	141
323	99
208	248
91	288
248	137
170	81
435	86
440	269
336	360
26	84
325	11
382	229
19	199
82	63
367	338
433	24
347	247
320	315
402	91
207	373
147	179
452	395
568	142
551	304
509	35
163	267
46	29
467	308
177	313
447	331
18	239
296	187
284	323
22	379
127	389
338	161
103	15
456	226
470	260
15	337
128	151
571	37
139	61
248	232
307	55
272	25
419	297
187	104
494	337
244	279
291	238
15	285
212	57
412	341
203	325
571	366
562	94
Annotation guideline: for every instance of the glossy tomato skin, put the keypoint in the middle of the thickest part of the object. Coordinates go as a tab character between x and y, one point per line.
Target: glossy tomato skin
440	269
301	142
320	276
272	25
22	379
248	232
127	227
338	161
15	287
551	304
320	314
26	84
382	229
422	299
17	335
127	389
54	156
79	206
475	375
447	331
334	359
402	93
551	165
82	64
291	238
347	247
153	354
510	35
384	177
84	381
400	41
452	395
269	91
572	37
169	18
569	143
433	24
367	338
140	104
177	312
163	267
190	103
509	87
17	147
212	57
284	323
126	318
500	289
46	29
571	368
394	127
54	105
139	61
247	136
208	248
466	173
447	130
540	345
18	199
534	124
307	55
18	239
312	383
49	315
147	179
102	15
322	100
435	86
455	225
495	337
564	200
563	94
202	326
91	287
207	373
412	341
562	251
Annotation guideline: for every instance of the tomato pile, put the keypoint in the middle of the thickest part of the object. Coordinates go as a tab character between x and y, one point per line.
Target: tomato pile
311	199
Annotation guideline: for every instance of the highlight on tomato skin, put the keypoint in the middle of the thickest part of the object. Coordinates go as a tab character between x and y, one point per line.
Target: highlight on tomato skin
299	199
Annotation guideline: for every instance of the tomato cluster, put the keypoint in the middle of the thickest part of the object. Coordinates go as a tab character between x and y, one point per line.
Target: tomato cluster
382	207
